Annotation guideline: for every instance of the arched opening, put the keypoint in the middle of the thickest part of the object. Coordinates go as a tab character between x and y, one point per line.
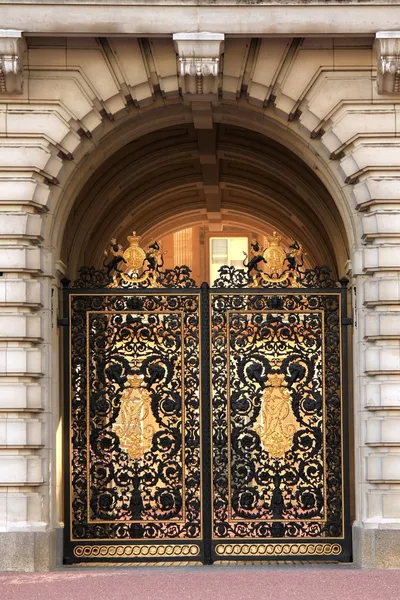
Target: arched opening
190	188
225	179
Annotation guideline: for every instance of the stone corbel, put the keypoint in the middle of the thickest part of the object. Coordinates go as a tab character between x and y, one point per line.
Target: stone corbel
12	46
388	50
199	62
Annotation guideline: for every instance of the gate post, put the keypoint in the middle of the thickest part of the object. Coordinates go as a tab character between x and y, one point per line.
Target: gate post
205	402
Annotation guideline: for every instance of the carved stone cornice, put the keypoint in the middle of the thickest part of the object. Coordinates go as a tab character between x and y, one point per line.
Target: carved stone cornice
12	46
388	50
199	61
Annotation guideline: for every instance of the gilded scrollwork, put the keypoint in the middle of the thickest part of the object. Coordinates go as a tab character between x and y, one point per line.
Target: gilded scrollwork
276	416
135	429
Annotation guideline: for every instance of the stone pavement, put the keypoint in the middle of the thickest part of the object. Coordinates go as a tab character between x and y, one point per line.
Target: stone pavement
203	583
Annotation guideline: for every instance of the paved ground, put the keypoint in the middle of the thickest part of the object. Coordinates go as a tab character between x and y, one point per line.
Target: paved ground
203	583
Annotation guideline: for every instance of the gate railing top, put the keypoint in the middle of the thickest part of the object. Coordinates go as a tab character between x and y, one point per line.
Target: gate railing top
270	267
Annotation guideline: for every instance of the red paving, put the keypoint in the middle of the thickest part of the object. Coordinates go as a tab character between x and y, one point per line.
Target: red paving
197	583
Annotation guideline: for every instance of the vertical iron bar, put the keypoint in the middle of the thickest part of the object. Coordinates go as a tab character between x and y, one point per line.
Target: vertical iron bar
345	321
67	558
206	421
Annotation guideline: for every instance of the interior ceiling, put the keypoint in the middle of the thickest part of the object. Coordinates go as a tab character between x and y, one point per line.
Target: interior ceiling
180	176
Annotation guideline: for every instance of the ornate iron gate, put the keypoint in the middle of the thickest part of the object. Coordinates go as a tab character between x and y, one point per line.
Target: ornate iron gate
205	424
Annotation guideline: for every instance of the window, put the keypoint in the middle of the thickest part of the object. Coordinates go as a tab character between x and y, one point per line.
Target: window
226	251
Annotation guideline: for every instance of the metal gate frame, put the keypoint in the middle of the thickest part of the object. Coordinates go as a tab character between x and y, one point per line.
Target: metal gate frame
211	549
135	273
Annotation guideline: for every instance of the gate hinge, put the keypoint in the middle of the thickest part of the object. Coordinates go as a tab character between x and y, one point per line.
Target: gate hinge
62	322
347	321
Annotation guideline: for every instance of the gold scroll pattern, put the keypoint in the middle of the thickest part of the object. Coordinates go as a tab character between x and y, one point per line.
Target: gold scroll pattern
135	424
276	421
278	549
136	550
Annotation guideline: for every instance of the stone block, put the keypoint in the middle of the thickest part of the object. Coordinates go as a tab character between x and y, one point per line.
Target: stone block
374	188
20	259
166	66
383	467
352	121
3	511
21	291
382	325
69	87
391	505
381	224
385	430
24	152
20	396
383	359
369	155
387	549
17	326
381	291
20	432
27	551
383	395
93	63
20	225
364	547
34	120
20	361
20	469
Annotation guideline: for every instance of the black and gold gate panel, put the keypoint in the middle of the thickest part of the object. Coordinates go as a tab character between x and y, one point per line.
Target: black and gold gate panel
134	427
277	447
205	424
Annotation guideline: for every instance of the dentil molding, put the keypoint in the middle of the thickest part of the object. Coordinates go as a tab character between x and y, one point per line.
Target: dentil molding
12	46
388	49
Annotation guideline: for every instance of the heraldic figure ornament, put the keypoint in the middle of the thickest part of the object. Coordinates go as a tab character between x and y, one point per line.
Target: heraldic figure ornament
135	424
274	267
134	267
278	423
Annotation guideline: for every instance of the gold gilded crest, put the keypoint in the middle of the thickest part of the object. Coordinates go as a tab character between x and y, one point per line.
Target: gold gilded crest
134	255
275	255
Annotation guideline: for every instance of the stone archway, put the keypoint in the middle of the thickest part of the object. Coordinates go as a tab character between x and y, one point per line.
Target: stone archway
227	171
88	98
177	176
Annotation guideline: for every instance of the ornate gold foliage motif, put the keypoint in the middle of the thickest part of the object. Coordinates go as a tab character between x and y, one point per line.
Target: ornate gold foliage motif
138	551
276	393
276	422
135	417
278	549
135	425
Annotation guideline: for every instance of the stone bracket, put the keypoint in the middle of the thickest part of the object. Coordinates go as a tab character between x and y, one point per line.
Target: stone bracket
199	61
12	47
388	51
